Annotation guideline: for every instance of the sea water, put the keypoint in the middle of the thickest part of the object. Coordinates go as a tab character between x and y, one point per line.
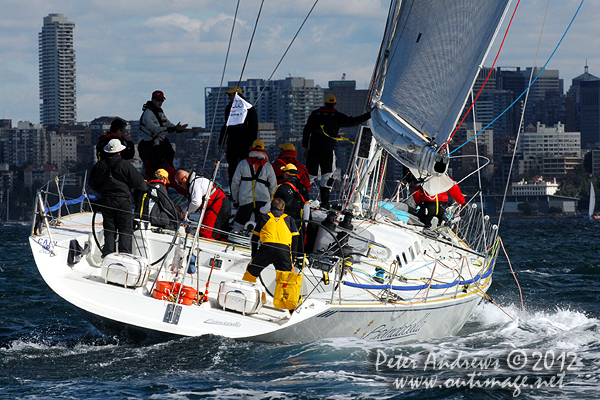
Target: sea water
548	349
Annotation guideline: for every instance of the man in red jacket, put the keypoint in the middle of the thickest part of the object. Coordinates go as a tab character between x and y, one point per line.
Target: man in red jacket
287	156
435	206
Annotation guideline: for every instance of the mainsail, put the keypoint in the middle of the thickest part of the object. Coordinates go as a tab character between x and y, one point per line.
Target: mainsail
429	60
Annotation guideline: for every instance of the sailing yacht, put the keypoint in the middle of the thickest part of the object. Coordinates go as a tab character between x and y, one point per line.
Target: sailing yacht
374	272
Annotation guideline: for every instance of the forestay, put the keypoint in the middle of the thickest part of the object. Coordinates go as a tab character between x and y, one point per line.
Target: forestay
429	60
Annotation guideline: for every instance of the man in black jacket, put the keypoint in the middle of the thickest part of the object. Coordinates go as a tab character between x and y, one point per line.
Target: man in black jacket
117	131
292	192
156	150
155	205
319	141
114	178
238	138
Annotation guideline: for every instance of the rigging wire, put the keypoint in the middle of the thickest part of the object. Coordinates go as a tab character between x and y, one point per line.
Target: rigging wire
512	161
486	79
478	166
513	272
213	178
250	44
225	133
285	52
538	75
212	126
352	170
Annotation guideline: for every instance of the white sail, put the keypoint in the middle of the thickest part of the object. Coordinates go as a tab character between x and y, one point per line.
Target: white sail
592	200
429	60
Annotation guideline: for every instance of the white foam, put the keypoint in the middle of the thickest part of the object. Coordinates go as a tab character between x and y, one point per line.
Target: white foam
35	349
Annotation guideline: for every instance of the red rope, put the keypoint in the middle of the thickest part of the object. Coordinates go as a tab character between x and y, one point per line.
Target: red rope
486	79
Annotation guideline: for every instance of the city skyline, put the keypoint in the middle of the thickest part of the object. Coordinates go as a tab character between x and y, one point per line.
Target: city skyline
127	50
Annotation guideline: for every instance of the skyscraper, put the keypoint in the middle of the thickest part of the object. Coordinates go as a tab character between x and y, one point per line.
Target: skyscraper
57	71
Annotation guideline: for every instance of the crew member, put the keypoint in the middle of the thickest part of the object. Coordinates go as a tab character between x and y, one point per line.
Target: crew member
320	139
279	239
253	185
292	192
287	156
218	209
117	131
238	138
155	205
114	178
156	150
435	206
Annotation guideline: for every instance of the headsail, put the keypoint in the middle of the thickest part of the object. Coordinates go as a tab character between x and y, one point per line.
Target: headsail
592	201
429	60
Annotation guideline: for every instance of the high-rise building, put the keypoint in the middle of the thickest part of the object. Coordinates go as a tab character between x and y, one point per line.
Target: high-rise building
547	81
57	71
585	91
493	105
550	151
573	120
25	144
63	151
546	102
590	113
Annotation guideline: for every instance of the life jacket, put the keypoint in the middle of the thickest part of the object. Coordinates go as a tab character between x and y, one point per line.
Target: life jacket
276	230
158	113
295	190
256	165
300	199
149	200
214	194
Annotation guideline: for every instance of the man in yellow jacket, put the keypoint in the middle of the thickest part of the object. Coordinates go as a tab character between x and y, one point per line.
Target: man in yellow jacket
279	240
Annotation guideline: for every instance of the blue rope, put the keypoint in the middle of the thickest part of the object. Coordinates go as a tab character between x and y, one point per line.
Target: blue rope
532	82
70	202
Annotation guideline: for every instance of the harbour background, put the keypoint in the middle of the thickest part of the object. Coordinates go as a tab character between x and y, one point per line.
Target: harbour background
48	351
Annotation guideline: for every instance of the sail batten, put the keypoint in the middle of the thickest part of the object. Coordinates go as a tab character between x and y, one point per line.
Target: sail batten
431	56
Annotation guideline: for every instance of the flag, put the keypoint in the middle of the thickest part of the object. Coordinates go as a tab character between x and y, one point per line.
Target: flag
239	110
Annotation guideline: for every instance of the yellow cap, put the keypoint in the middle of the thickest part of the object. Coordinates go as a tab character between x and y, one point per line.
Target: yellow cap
233	89
258	145
330	99
288	147
162	173
290	169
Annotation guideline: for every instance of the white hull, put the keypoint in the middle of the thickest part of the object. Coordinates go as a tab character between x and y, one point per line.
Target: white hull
362	313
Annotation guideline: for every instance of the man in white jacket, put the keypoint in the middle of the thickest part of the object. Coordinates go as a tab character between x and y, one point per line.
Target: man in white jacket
218	210
253	184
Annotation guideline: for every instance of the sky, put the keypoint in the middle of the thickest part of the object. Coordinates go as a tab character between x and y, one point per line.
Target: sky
127	49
